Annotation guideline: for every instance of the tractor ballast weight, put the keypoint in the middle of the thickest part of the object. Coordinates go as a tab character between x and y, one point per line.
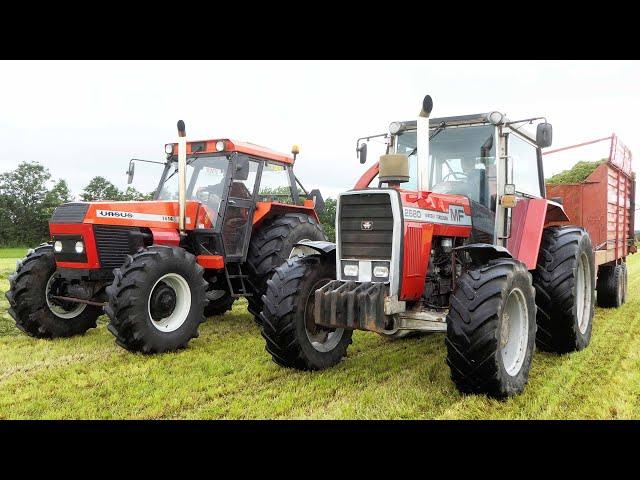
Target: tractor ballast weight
457	237
215	231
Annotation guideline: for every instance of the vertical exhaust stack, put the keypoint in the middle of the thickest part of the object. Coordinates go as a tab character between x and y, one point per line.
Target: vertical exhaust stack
422	143
182	174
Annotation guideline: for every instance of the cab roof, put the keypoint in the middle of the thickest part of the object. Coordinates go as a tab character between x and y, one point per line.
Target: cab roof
230	145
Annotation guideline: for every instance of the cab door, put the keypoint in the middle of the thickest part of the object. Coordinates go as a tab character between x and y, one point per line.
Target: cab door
240	206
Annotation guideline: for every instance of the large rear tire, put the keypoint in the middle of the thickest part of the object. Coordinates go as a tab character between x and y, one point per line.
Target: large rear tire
270	246
565	285
156	300
35	313
491	329
611	286
292	337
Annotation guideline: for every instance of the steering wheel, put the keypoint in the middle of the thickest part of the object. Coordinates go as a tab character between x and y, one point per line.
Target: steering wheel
211	196
455	175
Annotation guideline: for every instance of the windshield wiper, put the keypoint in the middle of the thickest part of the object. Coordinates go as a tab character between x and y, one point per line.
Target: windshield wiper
176	170
438	130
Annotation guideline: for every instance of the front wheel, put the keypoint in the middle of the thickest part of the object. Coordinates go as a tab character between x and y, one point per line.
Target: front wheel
156	300
288	323
491	329
37	313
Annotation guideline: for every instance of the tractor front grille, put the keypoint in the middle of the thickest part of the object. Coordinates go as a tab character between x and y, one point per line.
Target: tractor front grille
365	226
115	243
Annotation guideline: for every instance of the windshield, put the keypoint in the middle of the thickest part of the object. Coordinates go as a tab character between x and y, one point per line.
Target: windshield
205	182
461	161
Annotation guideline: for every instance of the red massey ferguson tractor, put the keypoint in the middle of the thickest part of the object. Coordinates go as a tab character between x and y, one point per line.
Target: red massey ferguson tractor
470	246
212	234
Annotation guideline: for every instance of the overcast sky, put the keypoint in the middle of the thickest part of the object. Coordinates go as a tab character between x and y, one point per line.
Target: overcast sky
82	118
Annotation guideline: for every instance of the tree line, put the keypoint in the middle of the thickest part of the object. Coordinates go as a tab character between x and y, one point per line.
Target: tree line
29	195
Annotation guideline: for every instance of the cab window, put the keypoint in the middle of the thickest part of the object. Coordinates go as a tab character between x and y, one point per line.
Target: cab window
524	158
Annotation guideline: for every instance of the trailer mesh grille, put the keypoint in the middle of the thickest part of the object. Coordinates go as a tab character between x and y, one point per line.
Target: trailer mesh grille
366	226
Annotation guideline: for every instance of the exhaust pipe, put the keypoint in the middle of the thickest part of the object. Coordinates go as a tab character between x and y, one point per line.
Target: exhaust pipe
422	143
182	175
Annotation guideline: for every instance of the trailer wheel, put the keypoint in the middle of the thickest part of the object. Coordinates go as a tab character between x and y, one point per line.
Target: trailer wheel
491	329
565	287
156	300
610	286
292	337
625	282
270	246
219	305
31	305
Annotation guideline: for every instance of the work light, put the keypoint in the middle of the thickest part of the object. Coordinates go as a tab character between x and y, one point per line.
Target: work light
220	145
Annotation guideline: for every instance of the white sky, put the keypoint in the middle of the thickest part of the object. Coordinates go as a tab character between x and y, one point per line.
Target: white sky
87	118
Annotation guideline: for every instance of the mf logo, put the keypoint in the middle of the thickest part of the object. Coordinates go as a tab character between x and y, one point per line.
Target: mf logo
366	225
456	213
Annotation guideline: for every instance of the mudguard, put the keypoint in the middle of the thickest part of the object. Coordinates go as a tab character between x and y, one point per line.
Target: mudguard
481	253
313	247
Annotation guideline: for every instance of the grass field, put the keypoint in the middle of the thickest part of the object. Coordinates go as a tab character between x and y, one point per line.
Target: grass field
226	373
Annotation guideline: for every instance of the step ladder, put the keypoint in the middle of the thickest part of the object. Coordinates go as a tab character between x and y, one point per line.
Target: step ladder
236	280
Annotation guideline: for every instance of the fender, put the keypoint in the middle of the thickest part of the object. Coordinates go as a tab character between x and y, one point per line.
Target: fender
481	253
528	220
305	248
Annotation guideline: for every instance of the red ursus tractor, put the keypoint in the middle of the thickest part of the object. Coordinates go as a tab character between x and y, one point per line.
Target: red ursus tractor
470	246
216	229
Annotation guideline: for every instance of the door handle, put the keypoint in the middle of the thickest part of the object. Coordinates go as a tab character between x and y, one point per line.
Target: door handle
231	202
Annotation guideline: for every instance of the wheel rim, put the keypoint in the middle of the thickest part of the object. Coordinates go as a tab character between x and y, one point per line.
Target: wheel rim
583	293
58	310
322	339
165	315
514	333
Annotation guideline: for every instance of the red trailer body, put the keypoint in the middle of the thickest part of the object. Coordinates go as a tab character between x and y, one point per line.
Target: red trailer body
604	203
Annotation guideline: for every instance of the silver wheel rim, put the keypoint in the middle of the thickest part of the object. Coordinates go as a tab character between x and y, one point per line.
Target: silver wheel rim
326	339
583	293
183	303
57	310
514	332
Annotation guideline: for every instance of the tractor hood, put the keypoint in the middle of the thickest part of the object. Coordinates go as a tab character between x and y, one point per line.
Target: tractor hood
152	214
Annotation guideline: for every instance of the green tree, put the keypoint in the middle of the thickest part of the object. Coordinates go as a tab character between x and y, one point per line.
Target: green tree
99	188
328	219
23	210
132	194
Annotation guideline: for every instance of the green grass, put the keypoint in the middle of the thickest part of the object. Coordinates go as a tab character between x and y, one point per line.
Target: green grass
13	253
226	373
576	174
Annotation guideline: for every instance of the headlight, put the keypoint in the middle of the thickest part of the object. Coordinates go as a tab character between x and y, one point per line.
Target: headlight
57	246
350	270
380	272
79	247
220	145
168	148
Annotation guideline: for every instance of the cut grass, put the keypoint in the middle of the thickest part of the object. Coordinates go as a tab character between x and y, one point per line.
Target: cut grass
226	373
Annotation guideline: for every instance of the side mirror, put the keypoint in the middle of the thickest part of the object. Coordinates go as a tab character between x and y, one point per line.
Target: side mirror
544	135
362	152
130	172
316	196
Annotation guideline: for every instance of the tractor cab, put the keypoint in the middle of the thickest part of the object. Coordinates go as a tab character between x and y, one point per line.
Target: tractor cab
462	161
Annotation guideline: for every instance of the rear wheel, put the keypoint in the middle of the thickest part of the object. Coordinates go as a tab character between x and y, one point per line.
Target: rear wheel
219	302
30	293
270	246
565	286
156	300
288	323
611	286
491	329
